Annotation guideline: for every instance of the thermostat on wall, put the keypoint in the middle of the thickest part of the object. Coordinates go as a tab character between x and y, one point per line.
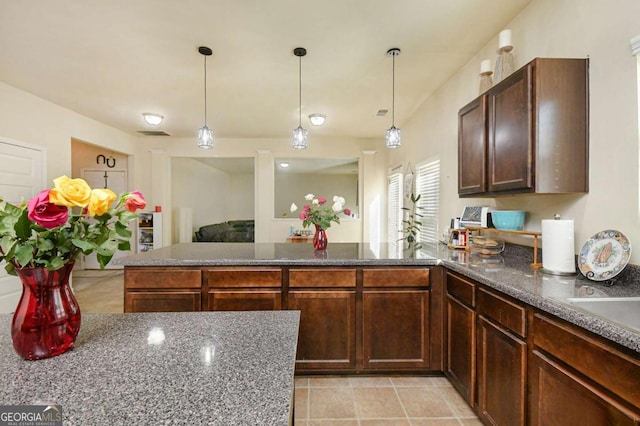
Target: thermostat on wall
476	216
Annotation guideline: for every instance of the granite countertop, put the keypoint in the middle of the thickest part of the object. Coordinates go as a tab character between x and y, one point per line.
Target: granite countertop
244	254
510	273
215	368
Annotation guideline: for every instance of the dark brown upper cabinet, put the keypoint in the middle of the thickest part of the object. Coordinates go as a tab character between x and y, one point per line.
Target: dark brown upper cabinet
529	134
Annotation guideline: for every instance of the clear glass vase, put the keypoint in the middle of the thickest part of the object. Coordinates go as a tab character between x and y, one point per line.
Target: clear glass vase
47	319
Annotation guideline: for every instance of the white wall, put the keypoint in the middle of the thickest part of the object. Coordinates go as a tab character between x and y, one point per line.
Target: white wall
27	118
292	187
269	229
213	195
554	28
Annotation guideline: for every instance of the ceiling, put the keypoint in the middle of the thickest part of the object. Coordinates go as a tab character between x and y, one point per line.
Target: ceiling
113	60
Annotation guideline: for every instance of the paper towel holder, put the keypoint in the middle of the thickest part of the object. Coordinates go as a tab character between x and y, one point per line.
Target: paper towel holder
553	272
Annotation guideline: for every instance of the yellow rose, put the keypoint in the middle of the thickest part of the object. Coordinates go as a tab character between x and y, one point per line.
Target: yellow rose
101	200
70	192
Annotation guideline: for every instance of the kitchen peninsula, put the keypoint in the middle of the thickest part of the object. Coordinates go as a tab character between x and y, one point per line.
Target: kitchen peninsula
508	337
214	368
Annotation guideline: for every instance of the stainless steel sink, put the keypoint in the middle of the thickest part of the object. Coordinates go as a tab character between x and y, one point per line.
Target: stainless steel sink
623	310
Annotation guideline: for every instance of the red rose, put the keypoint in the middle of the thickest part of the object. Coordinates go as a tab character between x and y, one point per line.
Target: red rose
322	200
44	213
135	201
303	215
347	212
307	208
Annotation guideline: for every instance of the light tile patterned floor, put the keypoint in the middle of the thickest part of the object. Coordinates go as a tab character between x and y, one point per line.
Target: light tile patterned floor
379	400
326	400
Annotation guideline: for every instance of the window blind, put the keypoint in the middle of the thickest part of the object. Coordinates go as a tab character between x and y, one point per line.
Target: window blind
394	214
428	186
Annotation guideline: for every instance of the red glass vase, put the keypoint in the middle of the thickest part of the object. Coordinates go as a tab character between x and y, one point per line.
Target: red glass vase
47	319
320	239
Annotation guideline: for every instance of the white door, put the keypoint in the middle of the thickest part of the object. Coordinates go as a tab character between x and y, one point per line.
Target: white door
22	175
115	180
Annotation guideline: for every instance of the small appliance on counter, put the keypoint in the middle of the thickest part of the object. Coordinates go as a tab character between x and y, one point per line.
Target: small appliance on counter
476	216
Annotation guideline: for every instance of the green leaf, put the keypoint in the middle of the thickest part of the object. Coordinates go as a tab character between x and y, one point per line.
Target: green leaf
24	255
83	245
23	226
124	246
122	230
103	260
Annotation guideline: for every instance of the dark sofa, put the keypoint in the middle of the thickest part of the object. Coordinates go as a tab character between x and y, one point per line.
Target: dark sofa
233	231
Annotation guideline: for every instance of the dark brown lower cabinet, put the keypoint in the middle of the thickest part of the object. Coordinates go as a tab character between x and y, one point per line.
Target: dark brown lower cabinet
559	396
326	340
395	329
460	365
501	375
162	290
579	378
245	300
243	288
163	301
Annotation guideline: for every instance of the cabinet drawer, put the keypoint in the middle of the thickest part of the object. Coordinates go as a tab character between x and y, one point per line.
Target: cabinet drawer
325	277
163	301
162	278
592	356
461	289
502	310
255	277
396	277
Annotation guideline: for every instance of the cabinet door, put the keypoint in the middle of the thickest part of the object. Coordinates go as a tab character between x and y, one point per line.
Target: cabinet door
511	159
561	397
461	348
326	339
501	375
395	329
162	301
265	300
472	148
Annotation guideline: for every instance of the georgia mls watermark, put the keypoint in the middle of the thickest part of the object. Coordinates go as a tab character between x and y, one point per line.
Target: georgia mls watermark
30	415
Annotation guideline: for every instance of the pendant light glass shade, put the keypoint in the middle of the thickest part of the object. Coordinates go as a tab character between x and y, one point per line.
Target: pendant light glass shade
393	138
205	134
300	134
205	137
300	138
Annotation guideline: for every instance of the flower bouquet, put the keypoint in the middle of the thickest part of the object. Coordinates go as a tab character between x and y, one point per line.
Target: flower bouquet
319	213
40	241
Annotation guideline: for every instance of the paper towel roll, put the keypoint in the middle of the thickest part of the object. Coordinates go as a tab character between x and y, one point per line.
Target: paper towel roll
558	250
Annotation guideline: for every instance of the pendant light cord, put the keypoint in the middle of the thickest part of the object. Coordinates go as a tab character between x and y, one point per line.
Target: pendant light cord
205	90
393	92
300	91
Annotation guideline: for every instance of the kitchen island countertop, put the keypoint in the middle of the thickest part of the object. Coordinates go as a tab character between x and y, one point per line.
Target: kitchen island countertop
215	368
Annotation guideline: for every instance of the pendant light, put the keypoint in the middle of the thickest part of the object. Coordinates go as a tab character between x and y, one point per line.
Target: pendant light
205	134
393	138
300	134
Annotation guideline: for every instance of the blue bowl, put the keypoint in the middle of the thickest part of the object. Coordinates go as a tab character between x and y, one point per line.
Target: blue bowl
508	220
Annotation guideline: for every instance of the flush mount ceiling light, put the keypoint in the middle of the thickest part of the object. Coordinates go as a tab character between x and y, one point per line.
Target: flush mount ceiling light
317	119
152	119
205	134
393	138
284	164
300	134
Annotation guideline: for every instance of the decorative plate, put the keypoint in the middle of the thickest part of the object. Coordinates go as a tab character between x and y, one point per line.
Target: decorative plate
604	255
